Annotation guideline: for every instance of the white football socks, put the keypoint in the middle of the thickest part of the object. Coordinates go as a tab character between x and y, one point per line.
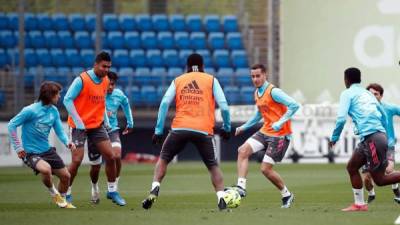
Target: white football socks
53	191
95	187
285	192
69	190
154	185
395	186
242	182
371	192
358	196
112	187
220	194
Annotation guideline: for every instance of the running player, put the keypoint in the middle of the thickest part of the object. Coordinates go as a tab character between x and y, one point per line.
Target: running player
276	108
391	110
85	102
114	100
195	93
37	120
370	123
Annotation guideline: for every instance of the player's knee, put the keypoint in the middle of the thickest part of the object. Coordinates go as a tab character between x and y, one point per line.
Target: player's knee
243	152
45	170
65	177
266	170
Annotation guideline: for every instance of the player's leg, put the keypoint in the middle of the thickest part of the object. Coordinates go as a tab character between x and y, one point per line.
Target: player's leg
116	145
95	160
369	184
390	169
173	144
63	185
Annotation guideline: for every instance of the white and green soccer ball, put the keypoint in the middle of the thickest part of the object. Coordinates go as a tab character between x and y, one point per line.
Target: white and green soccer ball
232	198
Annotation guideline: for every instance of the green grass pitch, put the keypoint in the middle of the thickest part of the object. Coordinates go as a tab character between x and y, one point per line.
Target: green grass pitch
187	197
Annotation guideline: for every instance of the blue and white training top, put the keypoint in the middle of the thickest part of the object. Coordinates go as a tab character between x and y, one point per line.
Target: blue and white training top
115	100
391	110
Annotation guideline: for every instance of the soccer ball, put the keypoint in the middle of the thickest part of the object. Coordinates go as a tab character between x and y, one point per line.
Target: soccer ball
232	198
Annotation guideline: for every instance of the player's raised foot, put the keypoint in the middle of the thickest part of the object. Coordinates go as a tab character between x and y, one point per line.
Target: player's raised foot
222	204
242	192
70	206
397	200
68	198
60	201
95	199
371	198
354	208
287	201
148	202
116	198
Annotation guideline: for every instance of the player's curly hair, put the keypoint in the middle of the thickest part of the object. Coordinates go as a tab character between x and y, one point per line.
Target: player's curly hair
48	90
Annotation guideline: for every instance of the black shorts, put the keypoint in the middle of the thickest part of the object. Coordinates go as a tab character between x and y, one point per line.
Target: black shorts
51	157
177	140
374	149
275	147
389	156
114	138
94	154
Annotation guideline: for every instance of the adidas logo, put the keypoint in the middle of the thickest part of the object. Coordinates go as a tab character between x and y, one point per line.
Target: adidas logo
191	88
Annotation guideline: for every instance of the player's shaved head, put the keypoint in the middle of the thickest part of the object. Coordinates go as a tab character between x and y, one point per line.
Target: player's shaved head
352	75
194	63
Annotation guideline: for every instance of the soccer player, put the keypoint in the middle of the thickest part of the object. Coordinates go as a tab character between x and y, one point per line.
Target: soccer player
391	110
37	120
370	123
114	100
276	108
85	102
195	93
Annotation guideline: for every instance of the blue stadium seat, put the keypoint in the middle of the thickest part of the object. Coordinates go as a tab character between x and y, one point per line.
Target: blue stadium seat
33	74
31	22
149	96
60	22
45	22
110	22
51	39
13	56
207	60
216	40
31	58
144	22
13	21
154	58
183	55
66	40
27	40
83	40
212	23
194	23
121	58
171	58
36	39
158	75
104	40
226	76
243	77
77	22
127	23
8	39
133	94
182	40
90	22
234	40
160	22
173	72
87	57
165	40
210	70
230	23
4	21
4	58
142	76
44	57
132	40
76	71
177	22
125	75
59	59
198	40
232	94
149	40
161	91
221	58
247	95
239	59
2	98
65	75
115	40
138	58
50	73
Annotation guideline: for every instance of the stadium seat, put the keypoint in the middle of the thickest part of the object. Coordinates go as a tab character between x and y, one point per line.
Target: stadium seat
33	75
234	41
154	58
232	94
221	58
243	77
127	23
77	22
36	39
8	39
161	91
144	22
239	59
182	40
247	95
4	22
121	58
212	23
83	40
50	73
183	55
160	22
216	40
66	40
2	98
177	22
149	95
171	58
65	75
4	58
142	76
31	22
13	56
45	22
90	22
132	40
110	22
104	41
230	23
58	58
138	58
115	40
194	23
198	40
60	22
13	21
158	75
44	57
125	75
210	70
207	60
31	60
87	58
52	40
165	40
133	94
149	40
76	71
225	76
73	58
173	72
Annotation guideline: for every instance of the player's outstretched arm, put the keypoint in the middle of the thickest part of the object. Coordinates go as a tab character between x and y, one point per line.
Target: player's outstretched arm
163	109
250	123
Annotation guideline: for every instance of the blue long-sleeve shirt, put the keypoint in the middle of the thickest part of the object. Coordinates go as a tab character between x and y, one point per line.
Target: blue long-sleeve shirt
115	100
170	95
391	110
367	114
36	120
279	96
73	92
